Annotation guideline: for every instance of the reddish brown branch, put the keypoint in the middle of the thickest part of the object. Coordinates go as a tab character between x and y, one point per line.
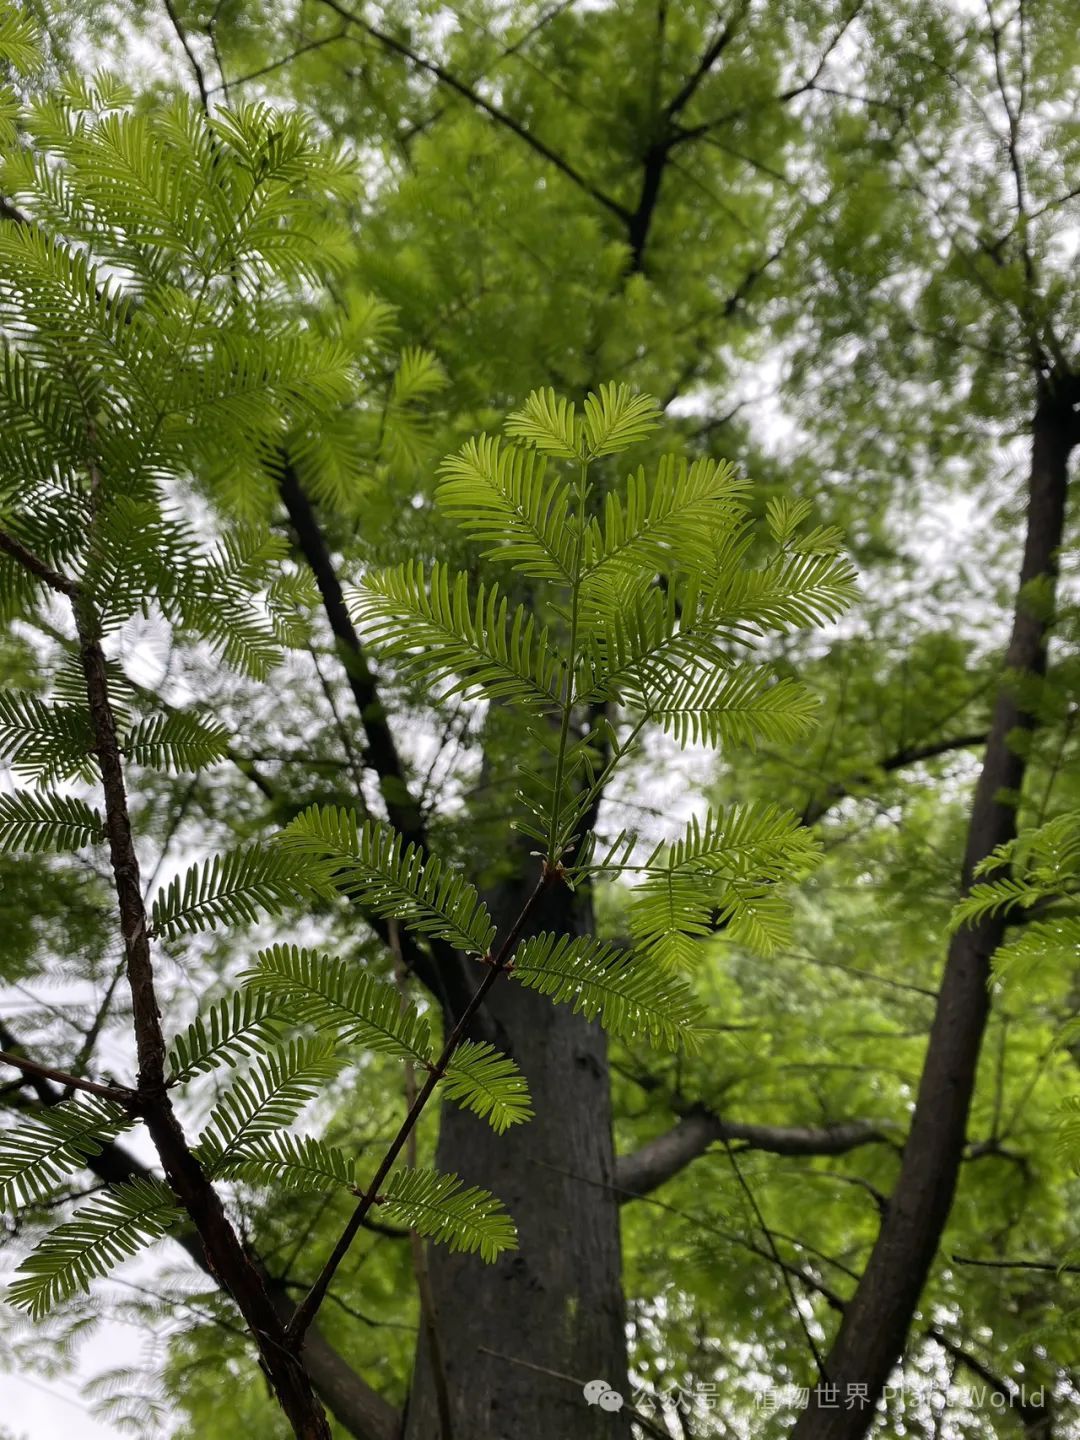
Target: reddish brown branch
120	1093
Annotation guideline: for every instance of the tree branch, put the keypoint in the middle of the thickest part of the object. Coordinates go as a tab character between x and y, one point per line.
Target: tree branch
30	562
193	61
466	91
838	790
120	1093
877	1320
663	1157
445	975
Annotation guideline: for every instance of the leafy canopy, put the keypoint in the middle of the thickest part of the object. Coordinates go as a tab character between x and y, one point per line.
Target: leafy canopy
156	284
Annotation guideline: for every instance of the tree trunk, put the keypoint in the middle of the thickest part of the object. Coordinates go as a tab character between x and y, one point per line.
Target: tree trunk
876	1321
519	1338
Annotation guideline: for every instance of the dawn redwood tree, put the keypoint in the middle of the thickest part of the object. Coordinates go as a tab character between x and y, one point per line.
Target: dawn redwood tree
795	184
150	271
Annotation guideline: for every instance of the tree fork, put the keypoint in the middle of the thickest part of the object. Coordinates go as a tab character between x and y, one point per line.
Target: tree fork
876	1322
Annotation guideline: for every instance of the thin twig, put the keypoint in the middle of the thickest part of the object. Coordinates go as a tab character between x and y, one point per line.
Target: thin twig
193	61
122	1094
777	1257
416	1240
497	964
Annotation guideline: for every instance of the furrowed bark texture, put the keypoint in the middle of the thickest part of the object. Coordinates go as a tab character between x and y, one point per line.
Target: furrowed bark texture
556	1302
877	1319
225	1255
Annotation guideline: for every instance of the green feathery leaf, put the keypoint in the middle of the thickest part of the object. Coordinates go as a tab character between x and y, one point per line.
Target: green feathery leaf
372	863
484	1080
290	1162
548	422
176	742
674	522
437	1206
268	1097
337	995
633	996
741	706
113	1227
44	742
616	418
438	630
241	1024
37	1156
504	497
48	822
236	889
723	873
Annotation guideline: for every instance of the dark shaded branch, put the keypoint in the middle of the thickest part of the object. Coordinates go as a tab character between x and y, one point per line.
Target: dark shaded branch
784	97
466	91
444	975
657	157
661	1158
1034	1418
874	1330
273	65
192	58
723	38
186	1177
1051	1265
120	1093
30	562
834	793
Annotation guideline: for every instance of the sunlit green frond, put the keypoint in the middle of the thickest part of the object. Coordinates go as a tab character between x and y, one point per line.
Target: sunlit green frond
268	1097
334	994
504	497
795	591
438	1206
1049	941
633	997
176	742
784	516
45	742
37	1156
990	898
241	1024
236	889
438	629
650	641
550	423
674	521
372	863
47	821
742	706
616	418
722	874
484	1080
111	1228
290	1162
